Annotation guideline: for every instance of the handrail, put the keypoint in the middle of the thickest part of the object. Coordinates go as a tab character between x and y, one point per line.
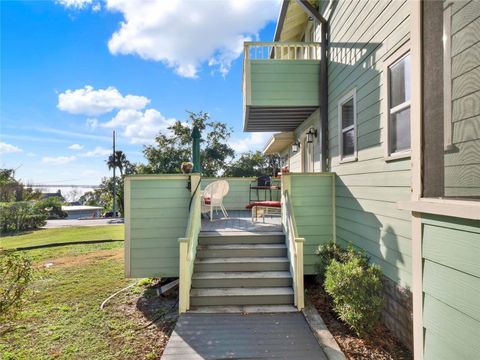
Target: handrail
282	50
188	251
295	246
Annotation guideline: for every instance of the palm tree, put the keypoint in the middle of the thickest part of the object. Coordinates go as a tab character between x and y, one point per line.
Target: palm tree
118	161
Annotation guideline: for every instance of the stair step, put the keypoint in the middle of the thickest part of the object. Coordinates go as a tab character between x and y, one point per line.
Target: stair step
235	309
223	238
241	279
228	264
242	296
242	250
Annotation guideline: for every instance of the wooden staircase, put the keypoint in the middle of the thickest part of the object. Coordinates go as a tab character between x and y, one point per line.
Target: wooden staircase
241	269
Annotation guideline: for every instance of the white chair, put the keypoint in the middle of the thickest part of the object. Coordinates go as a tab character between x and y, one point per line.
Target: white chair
212	197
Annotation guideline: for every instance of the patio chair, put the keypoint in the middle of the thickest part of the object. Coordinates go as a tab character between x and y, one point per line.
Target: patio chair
261	183
212	197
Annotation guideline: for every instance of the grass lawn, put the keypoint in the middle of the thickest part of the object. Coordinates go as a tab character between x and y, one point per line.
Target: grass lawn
62	235
62	318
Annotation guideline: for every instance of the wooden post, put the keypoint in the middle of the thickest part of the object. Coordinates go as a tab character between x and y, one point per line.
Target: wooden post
183	296
299	293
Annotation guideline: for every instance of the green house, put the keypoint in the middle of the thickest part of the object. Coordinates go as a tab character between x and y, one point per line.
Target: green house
375	110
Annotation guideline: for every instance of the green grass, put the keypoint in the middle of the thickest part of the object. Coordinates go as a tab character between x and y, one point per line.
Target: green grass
62	318
63	235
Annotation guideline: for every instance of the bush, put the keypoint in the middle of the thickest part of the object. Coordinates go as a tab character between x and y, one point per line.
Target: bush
356	290
21	215
16	273
331	251
52	206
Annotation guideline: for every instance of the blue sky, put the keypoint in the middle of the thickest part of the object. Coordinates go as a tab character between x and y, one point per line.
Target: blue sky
74	70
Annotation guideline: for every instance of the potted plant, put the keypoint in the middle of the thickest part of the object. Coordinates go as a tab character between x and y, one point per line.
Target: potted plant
186	167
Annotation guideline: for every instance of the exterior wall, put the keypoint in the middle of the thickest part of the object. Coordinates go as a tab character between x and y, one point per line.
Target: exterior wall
451	287
83	214
313	203
363	34
462	162
156	215
295	160
284	83
238	195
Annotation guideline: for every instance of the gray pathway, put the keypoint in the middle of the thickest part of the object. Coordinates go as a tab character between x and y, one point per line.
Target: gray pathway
240	220
76	222
236	336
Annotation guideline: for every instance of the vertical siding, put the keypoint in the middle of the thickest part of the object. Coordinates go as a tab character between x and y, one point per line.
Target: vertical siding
312	200
158	217
362	35
238	195
451	286
462	165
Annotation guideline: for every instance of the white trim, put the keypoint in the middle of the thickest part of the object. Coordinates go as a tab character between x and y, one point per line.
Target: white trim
352	94
127	220
416	173
447	77
392	60
446	207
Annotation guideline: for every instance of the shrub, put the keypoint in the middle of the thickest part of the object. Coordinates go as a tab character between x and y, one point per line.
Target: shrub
331	251
16	273
19	216
52	206
355	287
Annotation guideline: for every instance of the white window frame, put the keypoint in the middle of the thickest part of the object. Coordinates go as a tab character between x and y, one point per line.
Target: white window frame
352	94
393	59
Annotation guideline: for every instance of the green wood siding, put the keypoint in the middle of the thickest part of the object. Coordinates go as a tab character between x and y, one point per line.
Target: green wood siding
158	217
312	200
362	35
451	286
284	83
462	165
238	195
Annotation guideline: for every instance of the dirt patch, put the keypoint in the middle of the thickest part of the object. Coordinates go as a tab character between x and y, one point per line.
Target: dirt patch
382	345
154	317
82	259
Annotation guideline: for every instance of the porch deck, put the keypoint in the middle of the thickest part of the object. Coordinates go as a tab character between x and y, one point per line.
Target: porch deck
241	220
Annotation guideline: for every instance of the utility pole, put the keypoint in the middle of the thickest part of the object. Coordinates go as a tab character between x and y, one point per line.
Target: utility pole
114	178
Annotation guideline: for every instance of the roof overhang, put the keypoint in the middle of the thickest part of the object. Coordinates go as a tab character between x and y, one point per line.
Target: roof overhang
279	142
291	21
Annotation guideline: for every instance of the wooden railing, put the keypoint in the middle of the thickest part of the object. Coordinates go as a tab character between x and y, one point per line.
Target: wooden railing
295	250
282	51
188	246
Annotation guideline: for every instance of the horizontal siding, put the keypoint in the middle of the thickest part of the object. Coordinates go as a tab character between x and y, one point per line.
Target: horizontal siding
312	200
158	217
367	190
238	194
451	286
284	82
462	165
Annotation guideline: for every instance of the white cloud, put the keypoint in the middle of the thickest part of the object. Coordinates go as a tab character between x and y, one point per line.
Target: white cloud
98	151
8	148
254	141
75	4
76	147
140	127
31	154
91	102
58	160
184	34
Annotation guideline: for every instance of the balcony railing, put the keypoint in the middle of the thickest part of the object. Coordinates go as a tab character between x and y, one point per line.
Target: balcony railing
282	50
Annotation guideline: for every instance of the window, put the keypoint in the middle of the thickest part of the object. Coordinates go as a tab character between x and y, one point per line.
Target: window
398	114
347	110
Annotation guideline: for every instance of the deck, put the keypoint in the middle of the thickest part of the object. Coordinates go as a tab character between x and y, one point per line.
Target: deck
235	336
241	220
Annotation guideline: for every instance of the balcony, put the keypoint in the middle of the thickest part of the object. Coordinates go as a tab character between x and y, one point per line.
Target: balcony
281	84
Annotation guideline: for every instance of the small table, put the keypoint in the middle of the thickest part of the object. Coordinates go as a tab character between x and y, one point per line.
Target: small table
262	208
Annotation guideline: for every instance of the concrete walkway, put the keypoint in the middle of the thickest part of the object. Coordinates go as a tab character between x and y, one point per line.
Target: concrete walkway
236	336
76	222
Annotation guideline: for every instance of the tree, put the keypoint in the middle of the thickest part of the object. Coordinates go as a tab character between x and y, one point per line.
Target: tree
12	189
171	149
119	160
253	164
